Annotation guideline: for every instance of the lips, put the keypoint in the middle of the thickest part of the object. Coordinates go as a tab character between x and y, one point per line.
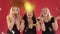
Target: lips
15	15
29	15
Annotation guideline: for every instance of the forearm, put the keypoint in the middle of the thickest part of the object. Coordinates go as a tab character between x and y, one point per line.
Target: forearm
10	26
22	26
18	25
10	23
43	27
38	26
55	25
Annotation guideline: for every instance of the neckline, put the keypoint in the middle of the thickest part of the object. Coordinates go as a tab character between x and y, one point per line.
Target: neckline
49	20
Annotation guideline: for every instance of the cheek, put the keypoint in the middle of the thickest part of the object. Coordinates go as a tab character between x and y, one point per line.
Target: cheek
13	12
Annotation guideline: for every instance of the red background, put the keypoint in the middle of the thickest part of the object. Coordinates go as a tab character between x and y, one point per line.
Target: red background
53	5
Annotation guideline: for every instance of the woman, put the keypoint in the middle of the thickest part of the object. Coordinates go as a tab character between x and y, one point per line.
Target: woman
14	21
47	22
30	22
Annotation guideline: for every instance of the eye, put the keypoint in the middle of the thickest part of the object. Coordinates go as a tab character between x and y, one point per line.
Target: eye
13	9
17	9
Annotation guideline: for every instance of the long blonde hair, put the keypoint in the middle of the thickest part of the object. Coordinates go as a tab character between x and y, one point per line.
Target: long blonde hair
49	15
10	13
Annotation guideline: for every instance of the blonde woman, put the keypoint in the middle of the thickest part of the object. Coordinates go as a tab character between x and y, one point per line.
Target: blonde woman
14	21
48	24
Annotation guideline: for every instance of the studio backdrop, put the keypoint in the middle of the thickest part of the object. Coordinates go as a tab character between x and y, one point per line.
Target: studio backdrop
53	5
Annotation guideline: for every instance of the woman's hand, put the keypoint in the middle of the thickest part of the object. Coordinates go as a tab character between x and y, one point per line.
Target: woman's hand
40	20
42	25
10	22
18	23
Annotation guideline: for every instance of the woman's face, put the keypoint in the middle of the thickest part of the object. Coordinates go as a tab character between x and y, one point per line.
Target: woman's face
15	10
44	12
30	15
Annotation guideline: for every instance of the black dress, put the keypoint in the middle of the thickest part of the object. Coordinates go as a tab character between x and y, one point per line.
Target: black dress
49	25
14	29
27	30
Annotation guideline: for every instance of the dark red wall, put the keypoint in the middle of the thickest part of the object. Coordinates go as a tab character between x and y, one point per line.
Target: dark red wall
53	5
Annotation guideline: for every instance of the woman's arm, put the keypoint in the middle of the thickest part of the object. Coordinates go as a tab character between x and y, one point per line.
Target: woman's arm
18	23
57	18
55	25
10	23
42	25
38	26
22	26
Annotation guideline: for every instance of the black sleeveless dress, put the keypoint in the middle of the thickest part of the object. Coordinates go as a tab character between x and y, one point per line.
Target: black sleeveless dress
14	29
48	26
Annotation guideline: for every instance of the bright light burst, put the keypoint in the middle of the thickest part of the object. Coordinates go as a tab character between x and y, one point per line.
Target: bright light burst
28	7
